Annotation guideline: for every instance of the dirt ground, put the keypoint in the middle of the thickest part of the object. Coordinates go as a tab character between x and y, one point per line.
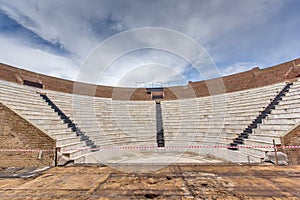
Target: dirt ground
171	182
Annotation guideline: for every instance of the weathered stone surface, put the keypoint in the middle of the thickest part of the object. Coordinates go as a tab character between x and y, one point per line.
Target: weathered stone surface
62	160
171	182
282	158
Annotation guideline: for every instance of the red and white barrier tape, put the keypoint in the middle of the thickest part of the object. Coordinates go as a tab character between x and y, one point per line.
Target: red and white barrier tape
153	147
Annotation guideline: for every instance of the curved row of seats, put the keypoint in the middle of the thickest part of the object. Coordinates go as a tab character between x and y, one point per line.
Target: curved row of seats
110	123
285	117
212	120
28	104
215	120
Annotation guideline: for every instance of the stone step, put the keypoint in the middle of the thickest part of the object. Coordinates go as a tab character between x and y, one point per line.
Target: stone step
269	132
283	127
67	140
72	146
279	121
236	156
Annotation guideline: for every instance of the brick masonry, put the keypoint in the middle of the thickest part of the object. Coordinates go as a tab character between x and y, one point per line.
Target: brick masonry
17	133
241	81
291	139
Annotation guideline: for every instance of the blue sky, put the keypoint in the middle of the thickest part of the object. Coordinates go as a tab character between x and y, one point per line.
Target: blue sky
54	37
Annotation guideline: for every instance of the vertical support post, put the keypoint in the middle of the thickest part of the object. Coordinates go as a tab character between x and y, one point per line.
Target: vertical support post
275	150
282	144
40	154
55	156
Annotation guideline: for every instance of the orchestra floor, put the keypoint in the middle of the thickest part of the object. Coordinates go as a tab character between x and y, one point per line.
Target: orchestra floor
177	181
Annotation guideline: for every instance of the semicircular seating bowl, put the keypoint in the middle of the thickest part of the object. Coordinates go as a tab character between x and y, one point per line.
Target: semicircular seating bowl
204	121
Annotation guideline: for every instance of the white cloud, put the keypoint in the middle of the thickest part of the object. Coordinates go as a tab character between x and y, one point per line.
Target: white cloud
73	23
17	54
237	68
144	66
223	27
59	21
151	74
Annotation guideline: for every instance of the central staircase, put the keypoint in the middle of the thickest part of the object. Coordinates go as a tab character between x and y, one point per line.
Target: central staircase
160	129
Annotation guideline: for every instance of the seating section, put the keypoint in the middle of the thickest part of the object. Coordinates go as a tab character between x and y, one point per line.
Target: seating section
214	120
106	122
25	101
285	116
110	123
206	121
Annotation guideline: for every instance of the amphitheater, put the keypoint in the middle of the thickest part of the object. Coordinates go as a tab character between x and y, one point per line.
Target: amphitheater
202	141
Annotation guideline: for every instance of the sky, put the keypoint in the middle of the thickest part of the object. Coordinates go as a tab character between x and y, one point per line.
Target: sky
56	37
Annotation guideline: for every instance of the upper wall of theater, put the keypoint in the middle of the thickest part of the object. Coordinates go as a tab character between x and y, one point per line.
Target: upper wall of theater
241	81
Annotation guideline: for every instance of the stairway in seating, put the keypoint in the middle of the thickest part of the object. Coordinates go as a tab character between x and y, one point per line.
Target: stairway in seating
245	134
159	123
70	123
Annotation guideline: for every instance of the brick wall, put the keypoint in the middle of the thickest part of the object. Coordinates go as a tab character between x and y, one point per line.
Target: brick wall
292	139
17	133
241	81
249	79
